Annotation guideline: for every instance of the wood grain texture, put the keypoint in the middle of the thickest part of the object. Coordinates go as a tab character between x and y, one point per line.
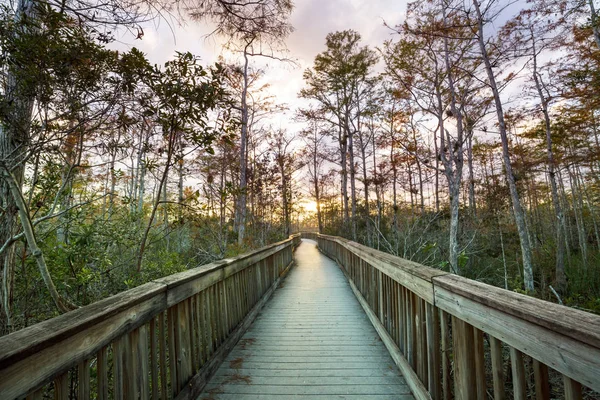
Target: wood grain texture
497	368
569	357
569	322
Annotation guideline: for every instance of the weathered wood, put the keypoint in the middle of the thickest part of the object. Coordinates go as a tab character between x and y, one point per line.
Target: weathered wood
83	380
102	372
464	361
433	352
32	340
129	368
569	322
479	356
542	384
518	374
162	355
572	389
410	331
19	378
497	368
154	344
445	335
61	387
182	339
421	342
569	357
142	362
118	372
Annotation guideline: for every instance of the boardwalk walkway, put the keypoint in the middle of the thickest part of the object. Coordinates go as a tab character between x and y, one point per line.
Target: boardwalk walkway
311	341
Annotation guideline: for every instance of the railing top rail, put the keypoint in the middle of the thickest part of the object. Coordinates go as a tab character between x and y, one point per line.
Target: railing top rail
159	294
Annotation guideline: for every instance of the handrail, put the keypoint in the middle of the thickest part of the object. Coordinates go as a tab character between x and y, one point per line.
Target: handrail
444	331
161	339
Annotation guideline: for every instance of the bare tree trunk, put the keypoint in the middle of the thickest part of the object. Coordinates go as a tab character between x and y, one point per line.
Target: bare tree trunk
561	279
472	203
451	155
14	140
578	210
161	183
352	180
366	186
516	201
61	303
241	206
377	184
343	142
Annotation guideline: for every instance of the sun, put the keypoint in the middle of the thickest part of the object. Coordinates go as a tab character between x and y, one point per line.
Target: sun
309	206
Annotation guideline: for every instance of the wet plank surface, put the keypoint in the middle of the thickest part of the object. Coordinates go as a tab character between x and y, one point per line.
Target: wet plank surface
311	341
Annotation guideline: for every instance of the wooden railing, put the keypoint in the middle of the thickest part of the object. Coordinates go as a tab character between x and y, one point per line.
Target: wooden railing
457	338
160	340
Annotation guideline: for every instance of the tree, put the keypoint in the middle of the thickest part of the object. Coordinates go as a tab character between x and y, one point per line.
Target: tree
339	74
181	96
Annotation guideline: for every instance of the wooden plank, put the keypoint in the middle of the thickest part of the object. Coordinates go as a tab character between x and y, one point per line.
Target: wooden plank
421	342
118	372
572	389
569	357
433	352
37	369
154	345
569	322
193	334
479	356
497	368
173	349
142	363
310	380
542	384
83	380
464	361
292	391
130	369
61	387
102	372
162	355
30	341
518	374
411	341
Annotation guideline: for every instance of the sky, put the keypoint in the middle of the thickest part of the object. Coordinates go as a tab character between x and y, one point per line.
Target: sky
312	21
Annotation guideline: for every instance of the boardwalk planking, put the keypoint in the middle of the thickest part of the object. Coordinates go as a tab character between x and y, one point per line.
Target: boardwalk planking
311	341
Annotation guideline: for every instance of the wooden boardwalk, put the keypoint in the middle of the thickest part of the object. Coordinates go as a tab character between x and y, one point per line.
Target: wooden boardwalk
311	341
